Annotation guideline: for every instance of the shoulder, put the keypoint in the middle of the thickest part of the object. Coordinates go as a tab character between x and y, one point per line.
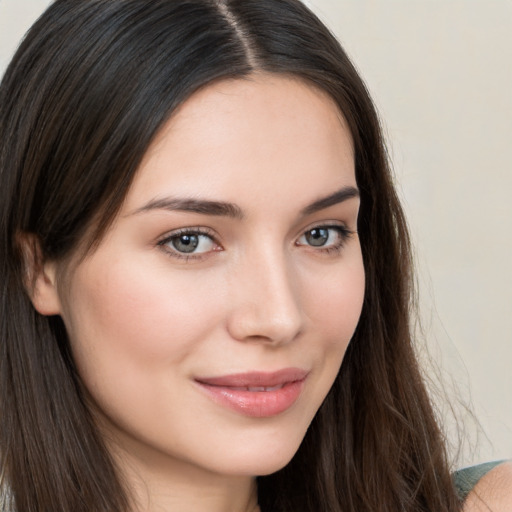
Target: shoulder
493	488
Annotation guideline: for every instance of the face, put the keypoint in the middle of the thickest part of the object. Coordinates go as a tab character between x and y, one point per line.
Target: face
212	319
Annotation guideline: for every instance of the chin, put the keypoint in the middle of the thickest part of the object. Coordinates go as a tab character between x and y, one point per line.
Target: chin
259	466
264	457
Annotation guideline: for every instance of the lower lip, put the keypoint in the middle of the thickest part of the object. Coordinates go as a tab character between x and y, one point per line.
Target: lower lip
256	404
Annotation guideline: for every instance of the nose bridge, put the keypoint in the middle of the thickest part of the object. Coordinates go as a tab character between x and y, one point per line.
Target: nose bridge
266	304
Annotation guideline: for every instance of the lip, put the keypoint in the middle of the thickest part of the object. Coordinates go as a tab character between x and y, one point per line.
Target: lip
256	394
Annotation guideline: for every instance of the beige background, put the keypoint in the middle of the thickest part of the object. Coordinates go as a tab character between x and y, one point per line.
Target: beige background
441	74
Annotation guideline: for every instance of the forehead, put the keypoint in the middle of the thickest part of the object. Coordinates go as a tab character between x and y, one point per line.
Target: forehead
243	134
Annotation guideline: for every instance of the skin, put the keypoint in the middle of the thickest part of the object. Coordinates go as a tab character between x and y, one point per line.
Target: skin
145	322
493	492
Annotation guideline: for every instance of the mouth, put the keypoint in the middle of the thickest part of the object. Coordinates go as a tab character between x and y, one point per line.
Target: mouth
256	389
256	394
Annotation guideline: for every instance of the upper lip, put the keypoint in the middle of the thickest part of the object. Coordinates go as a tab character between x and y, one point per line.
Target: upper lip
256	379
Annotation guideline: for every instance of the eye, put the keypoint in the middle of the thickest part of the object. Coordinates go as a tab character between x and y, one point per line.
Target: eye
189	242
325	237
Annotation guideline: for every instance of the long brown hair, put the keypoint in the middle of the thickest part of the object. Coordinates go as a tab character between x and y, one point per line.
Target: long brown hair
86	93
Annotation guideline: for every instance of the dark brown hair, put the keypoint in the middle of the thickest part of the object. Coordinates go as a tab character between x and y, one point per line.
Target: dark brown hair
86	93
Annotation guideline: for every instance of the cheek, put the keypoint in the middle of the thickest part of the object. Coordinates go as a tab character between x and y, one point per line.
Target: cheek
335	307
122	321
334	312
332	303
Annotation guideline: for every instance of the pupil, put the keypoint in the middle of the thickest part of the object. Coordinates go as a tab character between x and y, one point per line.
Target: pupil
186	243
317	236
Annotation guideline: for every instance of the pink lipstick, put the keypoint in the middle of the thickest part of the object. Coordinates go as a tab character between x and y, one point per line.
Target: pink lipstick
256	394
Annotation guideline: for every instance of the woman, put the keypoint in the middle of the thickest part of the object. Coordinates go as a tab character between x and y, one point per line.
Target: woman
197	218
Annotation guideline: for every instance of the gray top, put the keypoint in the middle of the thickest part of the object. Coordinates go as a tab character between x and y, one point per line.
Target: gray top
465	479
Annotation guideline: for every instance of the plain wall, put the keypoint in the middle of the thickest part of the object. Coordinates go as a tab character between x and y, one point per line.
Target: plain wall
440	72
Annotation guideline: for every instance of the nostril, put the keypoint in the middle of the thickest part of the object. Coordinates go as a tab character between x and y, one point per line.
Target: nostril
264	323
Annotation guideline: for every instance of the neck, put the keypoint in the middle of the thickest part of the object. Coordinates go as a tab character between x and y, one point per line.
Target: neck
192	492
160	484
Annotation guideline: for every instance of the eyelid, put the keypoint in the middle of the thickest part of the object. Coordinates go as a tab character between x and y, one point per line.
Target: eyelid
333	224
191	230
344	232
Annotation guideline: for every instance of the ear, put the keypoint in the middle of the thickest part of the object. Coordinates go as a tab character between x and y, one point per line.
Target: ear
40	276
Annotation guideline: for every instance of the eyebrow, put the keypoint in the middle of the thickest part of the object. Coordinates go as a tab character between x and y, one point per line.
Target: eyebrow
225	209
201	206
330	200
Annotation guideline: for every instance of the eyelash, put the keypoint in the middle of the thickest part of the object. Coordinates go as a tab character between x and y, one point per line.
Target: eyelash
174	253
344	234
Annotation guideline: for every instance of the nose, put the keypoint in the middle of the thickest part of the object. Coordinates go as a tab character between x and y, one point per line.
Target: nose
265	300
